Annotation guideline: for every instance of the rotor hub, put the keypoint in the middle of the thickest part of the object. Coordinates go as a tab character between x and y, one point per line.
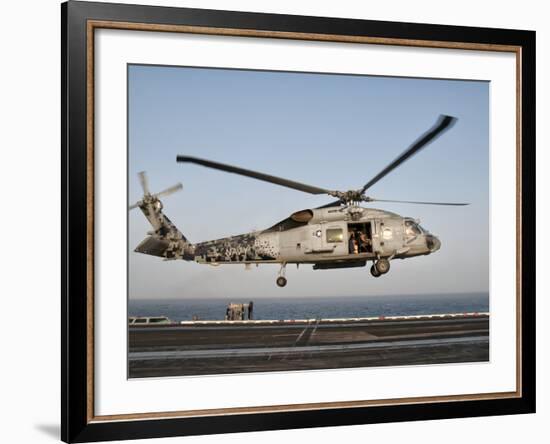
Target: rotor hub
349	196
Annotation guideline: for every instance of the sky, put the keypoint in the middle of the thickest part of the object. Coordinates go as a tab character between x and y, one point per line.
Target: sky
328	130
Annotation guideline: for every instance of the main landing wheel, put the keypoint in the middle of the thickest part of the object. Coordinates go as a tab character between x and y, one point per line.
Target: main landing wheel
374	272
382	266
281	281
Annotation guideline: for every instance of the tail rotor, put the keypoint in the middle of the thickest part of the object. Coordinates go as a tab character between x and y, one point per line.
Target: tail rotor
168	191
149	198
144	180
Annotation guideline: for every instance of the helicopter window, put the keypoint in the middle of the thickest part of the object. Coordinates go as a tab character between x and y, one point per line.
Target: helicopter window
411	229
335	235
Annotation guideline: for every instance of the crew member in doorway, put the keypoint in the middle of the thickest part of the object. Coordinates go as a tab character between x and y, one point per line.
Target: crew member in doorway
351	242
364	243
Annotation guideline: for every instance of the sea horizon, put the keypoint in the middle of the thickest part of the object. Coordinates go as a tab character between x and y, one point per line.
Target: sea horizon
314	307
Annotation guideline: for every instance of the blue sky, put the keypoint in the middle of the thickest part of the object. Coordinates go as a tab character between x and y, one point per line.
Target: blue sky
333	131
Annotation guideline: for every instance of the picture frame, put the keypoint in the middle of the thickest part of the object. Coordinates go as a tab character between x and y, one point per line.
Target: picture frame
80	21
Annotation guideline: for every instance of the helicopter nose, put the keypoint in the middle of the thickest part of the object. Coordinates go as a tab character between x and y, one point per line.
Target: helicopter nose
433	243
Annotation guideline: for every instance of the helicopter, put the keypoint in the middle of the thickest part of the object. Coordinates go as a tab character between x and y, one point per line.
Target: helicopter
340	234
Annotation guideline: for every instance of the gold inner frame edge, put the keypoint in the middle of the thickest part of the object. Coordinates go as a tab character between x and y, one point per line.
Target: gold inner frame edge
98	24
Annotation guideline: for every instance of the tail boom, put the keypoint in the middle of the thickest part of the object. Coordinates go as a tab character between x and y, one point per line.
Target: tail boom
166	240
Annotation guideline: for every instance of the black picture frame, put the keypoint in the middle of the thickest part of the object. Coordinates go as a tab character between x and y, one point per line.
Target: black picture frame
77	424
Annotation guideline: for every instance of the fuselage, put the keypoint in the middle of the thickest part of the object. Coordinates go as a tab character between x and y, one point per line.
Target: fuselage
326	237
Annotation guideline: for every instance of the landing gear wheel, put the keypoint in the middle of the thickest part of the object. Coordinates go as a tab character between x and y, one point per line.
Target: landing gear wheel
374	272
382	266
281	281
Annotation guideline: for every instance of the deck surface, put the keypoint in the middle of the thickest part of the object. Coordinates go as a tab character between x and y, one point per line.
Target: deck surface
203	348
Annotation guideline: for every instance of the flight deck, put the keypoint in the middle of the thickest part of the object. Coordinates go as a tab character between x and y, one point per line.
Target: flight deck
224	347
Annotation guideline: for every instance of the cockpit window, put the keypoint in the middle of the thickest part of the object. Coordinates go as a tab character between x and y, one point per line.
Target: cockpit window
412	229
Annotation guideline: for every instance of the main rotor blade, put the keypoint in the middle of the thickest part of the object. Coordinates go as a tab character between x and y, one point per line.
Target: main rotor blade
137	204
442	124
254	174
457	204
170	190
144	181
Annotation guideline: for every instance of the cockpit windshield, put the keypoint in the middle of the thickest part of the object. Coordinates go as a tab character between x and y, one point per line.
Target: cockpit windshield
412	229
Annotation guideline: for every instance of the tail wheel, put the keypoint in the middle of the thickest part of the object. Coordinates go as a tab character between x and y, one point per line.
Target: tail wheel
382	266
374	271
281	281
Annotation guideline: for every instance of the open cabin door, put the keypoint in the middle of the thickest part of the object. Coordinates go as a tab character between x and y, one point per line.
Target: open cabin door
360	237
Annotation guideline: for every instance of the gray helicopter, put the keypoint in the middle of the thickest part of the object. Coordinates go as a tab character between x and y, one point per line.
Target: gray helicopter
341	234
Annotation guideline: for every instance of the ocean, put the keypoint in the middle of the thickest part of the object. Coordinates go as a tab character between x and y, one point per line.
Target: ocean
314	308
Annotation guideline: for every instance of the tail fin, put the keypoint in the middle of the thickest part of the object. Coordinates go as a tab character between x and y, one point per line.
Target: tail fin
165	240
